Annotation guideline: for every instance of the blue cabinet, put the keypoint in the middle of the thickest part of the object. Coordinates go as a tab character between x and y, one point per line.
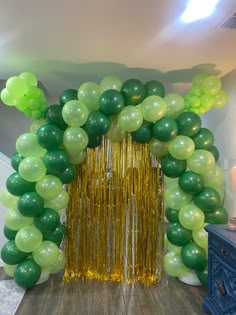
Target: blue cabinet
221	296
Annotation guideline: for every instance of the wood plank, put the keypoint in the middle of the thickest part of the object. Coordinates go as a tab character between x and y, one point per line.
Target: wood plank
54	297
99	298
133	305
146	298
68	299
84	297
116	302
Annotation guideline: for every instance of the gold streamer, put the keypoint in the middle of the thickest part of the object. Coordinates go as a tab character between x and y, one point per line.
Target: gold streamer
115	217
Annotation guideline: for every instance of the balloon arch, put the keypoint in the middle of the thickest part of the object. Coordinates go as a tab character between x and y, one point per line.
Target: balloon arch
46	157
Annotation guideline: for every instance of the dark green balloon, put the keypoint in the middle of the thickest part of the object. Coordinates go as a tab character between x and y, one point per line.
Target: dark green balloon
178	235
191	182
215	152
143	134
204	139
217	216
67	175
30	204
188	123
172	167
111	102
94	141
203	275
15	160
193	256
9	233
68	95
48	221
27	274
57	235
11	255
172	215
165	129
54	116
208	199
154	87
50	136
17	186
56	160
97	123
133	91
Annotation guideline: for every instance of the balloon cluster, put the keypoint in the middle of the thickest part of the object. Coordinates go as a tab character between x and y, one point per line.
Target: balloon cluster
22	92
45	159
205	93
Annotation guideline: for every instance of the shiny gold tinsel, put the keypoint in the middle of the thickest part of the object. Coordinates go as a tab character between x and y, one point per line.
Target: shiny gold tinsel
115	217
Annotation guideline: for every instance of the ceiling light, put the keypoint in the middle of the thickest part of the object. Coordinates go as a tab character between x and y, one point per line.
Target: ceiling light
198	9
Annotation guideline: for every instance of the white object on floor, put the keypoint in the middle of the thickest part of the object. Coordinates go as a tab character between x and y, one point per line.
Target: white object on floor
190	278
10	297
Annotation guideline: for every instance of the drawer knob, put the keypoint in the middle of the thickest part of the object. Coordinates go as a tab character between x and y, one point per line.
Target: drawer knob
221	288
224	251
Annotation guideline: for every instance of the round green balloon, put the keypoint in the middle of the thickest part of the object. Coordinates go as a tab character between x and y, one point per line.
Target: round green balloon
53	116
75	139
48	221
217	216
201	162
193	256
27	145
9	270
172	167
204	139
211	85
49	187
173	264
97	123
28	239
215	177
46	255
143	134
32	169
27	274
176	198
77	158
181	148
174	105
56	160
94	141
67	175
16	86
56	236
29	78
191	182
30	204
115	133
89	94
188	123
208	199
75	113
133	91
200	236
59	264
11	255
9	233
111	102
68	95
172	215
58	203
14	220
50	136
154	87
165	129
17	185
191	217
130	118
153	108
15	160
8	200
215	152
203	275
110	83
178	235
36	123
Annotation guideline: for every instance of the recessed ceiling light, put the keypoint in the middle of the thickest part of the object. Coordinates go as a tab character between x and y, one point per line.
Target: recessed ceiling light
198	9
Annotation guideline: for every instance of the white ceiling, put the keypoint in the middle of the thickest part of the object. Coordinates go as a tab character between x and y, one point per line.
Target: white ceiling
65	43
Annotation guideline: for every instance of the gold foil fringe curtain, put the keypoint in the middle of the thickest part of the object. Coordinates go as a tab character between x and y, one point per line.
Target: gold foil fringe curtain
115	217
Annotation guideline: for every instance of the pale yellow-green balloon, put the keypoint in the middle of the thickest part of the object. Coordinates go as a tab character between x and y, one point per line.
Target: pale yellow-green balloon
75	139
28	239
59	202
170	181
49	187
174	105
32	169
27	145
221	99
46	254
7	199
9	270
173	264
75	113
89	94
59	264
7	98
36	123
130	118
115	133
175	198
215	177
191	217
14	220
158	148
201	162
200	236
77	158
181	148
110	82
153	108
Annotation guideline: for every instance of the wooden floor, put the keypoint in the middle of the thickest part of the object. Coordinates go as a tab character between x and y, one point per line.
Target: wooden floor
110	298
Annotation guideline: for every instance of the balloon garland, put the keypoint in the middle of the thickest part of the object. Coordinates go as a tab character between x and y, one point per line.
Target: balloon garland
45	161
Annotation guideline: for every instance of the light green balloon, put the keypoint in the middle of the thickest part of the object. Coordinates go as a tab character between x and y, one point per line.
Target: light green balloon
191	217
45	274
59	264
89	94
170	247
130	118
28	239
153	108
36	123
7	199
75	113
201	162
215	177
16	86
7	98
32	169
27	145
158	148
221	99
115	133
181	148
59	202
200	236
29	78
174	105
9	270
175	198
49	187
46	254
211	85
173	264
75	139
14	220
170	181
110	82
77	158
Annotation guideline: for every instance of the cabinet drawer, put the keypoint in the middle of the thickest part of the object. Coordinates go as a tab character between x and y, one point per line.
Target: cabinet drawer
223	250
